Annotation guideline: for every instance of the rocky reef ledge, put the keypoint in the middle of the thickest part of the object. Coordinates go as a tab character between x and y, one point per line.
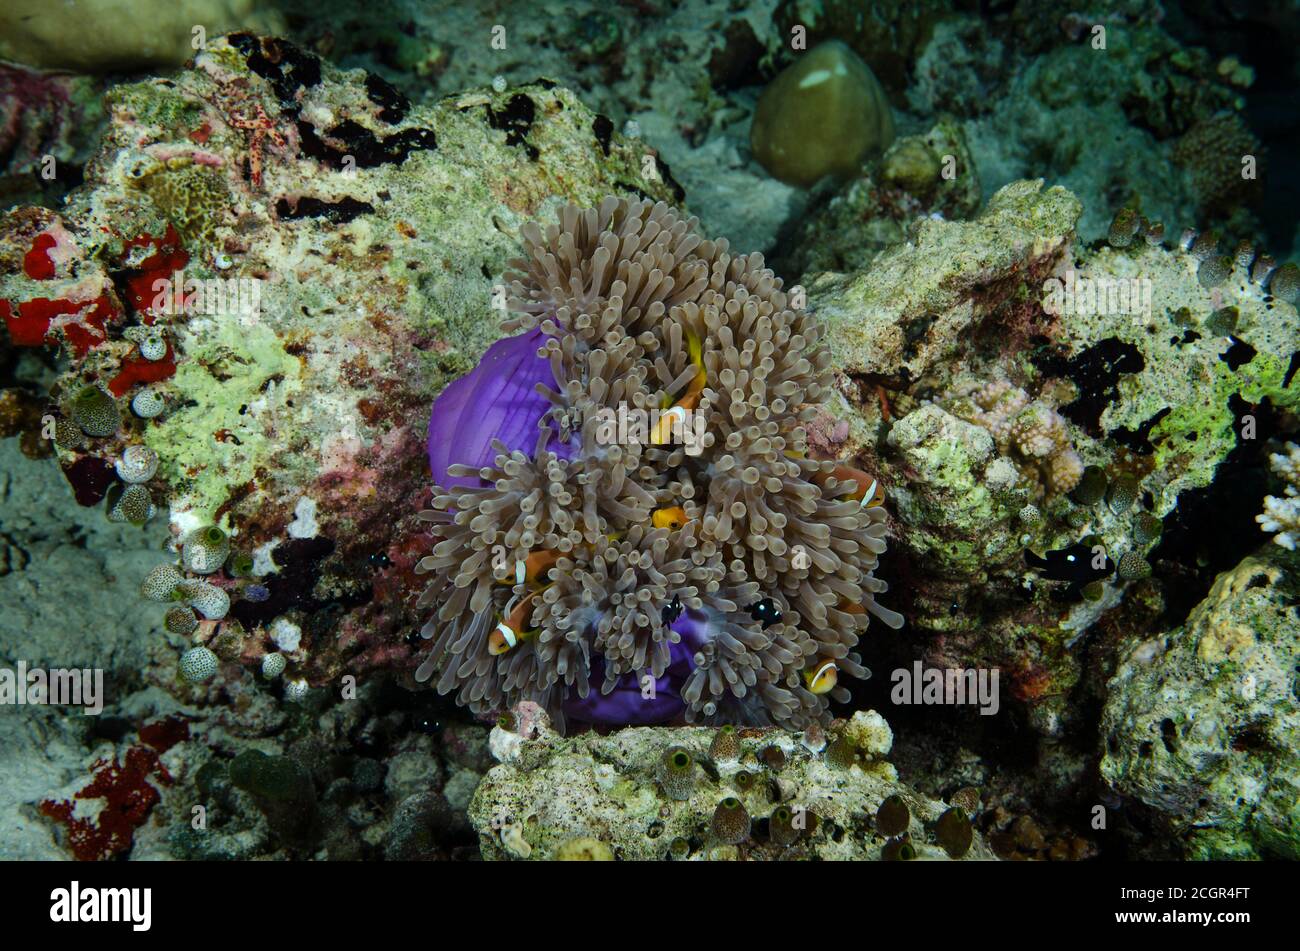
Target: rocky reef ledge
698	793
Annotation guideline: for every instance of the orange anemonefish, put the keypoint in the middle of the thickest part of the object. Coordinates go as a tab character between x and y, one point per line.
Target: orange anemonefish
510	630
821	677
869	493
676	413
674	517
533	568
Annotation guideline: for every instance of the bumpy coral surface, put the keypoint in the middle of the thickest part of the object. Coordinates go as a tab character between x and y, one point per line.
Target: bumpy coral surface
1203	722
780	796
353	239
1282	515
722	562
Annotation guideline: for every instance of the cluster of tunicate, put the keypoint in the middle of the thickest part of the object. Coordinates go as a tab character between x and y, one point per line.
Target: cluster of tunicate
1128	225
199	591
1215	268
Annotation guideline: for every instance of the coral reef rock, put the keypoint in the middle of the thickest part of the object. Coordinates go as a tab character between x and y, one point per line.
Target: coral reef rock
1124	365
330	251
1203	722
550	792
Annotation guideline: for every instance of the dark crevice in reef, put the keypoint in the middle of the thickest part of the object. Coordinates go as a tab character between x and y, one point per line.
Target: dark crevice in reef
363	147
665	173
515	119
1096	372
393	106
341	211
1259	34
350	145
937	741
1291	369
1238	354
280	63
603	128
293	586
1139	439
1213	528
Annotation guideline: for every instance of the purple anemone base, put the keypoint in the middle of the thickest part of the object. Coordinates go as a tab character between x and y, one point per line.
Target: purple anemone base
498	399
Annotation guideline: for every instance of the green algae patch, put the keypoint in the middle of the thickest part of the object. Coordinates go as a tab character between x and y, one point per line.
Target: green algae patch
1212	427
216	439
155	104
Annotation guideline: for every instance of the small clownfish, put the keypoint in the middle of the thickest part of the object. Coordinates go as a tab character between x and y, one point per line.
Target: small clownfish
534	568
510	630
851	607
675	414
821	677
673	518
869	492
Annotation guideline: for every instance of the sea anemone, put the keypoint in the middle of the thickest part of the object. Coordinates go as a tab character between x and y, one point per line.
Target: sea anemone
627	526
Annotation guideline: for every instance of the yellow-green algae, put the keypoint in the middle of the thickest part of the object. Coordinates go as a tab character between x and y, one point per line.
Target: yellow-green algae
201	466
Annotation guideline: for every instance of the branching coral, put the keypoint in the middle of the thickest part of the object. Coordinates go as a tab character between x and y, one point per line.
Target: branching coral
1282	515
1033	433
622	577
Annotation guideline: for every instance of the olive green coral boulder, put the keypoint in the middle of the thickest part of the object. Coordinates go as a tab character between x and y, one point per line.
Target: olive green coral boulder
1203	723
824	115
